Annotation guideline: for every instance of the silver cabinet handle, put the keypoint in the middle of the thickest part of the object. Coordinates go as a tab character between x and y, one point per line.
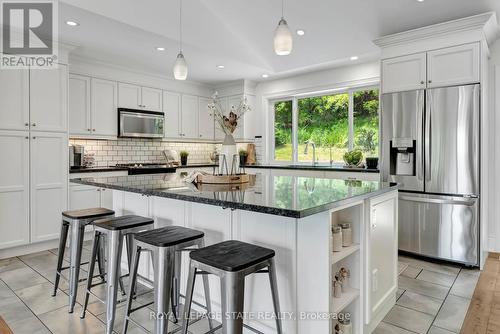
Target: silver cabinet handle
26	124
93	130
422	82
34	137
26	137
89	130
34	124
430	81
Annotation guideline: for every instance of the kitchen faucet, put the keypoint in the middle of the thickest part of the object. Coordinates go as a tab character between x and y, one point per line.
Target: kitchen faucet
314	150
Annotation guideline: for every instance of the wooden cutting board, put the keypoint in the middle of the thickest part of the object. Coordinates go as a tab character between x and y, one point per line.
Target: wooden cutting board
4	329
251	157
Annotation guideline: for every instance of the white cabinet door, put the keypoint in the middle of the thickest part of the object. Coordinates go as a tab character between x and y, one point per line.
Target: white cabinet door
189	119
240	131
129	96
151	99
104	105
48	99
205	120
14	100
81	197
453	66
219	134
14	188
49	177
352	176
106	198
172	110
79	105
404	73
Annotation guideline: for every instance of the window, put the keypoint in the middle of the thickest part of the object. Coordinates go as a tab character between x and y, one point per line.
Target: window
283	131
335	123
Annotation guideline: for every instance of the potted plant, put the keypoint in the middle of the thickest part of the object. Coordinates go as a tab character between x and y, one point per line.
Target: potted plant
184	157
353	158
243	157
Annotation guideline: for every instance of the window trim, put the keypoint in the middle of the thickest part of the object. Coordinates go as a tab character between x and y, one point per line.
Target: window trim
294	98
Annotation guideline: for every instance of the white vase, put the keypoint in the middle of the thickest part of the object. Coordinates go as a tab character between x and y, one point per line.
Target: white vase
230	152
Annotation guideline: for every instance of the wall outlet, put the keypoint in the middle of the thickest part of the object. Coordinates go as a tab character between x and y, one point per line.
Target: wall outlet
374	280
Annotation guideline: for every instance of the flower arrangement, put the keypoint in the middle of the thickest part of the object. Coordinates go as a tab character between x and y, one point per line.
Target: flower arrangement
228	122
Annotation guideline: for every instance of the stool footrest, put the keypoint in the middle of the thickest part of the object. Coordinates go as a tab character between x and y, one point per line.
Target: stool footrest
141	307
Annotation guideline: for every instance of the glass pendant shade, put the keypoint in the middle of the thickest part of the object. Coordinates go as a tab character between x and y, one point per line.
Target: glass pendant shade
283	41
180	67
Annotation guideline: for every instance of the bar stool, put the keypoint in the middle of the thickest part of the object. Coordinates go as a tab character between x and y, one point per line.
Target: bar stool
77	220
112	231
165	245
232	261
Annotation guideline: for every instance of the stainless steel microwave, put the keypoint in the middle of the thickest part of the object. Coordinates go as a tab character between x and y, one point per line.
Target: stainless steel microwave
140	123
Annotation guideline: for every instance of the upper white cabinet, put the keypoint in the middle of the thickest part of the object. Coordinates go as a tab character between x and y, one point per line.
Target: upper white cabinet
48	99
151	99
14	188
404	73
438	68
172	110
137	97
48	183
453	66
79	104
205	120
14	99
104	100
189	119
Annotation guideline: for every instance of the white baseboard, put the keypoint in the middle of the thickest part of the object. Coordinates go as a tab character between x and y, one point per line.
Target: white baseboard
28	249
384	308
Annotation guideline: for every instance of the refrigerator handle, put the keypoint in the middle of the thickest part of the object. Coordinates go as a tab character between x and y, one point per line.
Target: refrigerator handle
427	136
420	131
467	202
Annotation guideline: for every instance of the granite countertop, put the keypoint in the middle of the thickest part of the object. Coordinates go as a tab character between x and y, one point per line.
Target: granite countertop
96	169
333	168
288	196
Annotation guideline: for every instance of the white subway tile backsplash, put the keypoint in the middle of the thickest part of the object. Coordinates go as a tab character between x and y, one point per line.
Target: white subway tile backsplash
111	152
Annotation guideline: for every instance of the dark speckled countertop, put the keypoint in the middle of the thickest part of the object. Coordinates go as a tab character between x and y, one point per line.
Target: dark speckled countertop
289	196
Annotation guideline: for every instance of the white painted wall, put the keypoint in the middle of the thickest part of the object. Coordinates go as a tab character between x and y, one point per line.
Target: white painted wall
494	222
349	76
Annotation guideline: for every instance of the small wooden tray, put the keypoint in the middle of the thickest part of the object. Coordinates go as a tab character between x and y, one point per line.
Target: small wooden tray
223	179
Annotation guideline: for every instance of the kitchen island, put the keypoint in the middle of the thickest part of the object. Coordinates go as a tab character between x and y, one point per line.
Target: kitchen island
294	216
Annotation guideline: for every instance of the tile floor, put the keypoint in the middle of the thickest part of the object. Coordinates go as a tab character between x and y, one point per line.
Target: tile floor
432	298
26	283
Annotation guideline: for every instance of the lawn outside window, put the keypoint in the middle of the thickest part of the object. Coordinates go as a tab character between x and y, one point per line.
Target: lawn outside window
336	122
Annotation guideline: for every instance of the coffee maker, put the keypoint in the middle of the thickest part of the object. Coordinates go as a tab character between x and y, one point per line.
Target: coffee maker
76	153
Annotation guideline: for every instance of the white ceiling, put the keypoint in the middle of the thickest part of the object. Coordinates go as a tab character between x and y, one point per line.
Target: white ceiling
238	34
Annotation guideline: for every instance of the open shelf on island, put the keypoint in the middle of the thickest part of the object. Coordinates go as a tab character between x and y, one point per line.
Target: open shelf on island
345	252
347	298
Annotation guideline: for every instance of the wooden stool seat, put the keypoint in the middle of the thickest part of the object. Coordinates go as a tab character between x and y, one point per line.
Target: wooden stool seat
123	222
168	236
232	255
89	213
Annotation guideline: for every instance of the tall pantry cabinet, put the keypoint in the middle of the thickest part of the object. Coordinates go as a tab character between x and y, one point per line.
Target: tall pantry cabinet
34	151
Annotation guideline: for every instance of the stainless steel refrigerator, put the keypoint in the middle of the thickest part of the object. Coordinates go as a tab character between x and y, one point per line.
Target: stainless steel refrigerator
430	145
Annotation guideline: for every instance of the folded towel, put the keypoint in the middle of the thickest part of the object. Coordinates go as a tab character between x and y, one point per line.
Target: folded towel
193	175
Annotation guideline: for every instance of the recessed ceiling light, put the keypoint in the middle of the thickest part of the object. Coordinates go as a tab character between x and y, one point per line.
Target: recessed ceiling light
354	58
301	32
265	75
420	0
220	66
72	23
160	48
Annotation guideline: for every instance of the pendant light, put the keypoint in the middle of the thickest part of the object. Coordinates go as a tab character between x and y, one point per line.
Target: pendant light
283	42
180	66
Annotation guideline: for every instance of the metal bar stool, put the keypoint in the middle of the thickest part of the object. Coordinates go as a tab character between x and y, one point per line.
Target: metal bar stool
113	231
77	220
165	245
232	261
